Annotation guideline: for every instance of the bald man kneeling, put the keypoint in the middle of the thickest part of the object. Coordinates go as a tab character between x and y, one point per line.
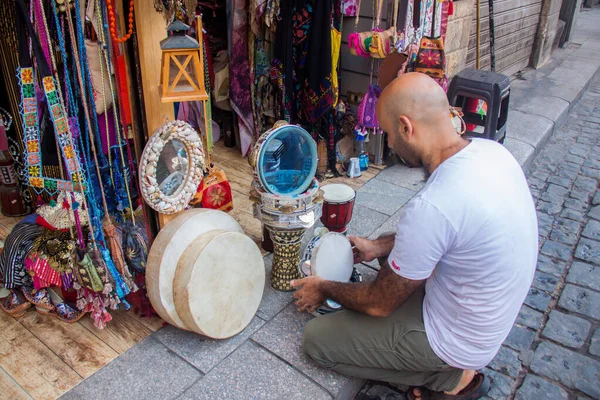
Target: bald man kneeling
453	276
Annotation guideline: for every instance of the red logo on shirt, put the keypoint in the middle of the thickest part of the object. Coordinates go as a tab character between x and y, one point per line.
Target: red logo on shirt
397	268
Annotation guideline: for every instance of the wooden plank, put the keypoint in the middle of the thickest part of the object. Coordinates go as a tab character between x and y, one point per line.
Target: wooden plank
121	333
10	389
30	363
73	343
151	28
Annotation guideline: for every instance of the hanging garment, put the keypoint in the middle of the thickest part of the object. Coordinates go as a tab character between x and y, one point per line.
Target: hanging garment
17	246
240	77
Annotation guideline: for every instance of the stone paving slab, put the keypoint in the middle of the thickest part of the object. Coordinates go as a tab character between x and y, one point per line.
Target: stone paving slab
403	176
283	337
252	372
537	388
382	197
365	221
149	370
571	369
531	128
552	108
273	301
201	352
566	329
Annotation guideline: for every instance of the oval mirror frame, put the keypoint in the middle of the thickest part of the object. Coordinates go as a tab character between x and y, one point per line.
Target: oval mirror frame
153	196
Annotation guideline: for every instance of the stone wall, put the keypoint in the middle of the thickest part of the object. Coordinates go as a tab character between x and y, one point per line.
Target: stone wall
546	33
457	37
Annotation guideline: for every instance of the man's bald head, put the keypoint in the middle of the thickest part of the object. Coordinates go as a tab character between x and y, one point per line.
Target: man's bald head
416	96
415	113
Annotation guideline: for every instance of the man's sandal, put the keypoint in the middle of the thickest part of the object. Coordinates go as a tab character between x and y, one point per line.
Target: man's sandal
479	387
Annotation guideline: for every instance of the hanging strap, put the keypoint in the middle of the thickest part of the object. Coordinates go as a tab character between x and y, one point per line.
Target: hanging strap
23	26
379	9
357	17
417	14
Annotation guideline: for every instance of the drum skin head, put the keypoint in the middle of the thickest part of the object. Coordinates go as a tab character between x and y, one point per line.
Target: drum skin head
338	193
332	259
168	247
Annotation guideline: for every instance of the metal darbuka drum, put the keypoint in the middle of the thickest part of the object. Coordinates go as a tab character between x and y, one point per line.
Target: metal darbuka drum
338	205
286	196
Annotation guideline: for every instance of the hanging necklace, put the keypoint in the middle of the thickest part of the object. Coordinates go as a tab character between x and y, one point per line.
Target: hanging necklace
6	118
113	22
104	52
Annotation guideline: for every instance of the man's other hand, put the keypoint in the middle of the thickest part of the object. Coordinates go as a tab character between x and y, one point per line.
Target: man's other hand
308	295
363	249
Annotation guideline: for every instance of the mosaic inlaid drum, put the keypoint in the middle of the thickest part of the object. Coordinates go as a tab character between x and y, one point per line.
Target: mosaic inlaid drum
286	194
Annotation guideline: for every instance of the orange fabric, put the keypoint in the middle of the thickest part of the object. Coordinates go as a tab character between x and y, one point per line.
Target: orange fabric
214	192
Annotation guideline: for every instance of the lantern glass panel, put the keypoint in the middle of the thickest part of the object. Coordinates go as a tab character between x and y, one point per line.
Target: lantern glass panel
183	76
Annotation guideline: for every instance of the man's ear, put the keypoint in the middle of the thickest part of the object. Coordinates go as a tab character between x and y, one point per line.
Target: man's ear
406	127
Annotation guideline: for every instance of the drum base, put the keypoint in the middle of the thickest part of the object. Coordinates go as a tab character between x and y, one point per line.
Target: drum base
286	256
343	231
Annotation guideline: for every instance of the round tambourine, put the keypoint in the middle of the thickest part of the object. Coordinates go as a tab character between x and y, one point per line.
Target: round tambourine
329	256
171	167
284	160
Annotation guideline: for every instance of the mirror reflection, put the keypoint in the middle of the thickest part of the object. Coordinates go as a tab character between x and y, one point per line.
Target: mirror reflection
171	169
287	162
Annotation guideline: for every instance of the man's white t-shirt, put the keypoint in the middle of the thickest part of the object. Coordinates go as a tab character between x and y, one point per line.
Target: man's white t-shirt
472	233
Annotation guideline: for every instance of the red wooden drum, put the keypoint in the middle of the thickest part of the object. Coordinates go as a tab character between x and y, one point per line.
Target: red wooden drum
337	206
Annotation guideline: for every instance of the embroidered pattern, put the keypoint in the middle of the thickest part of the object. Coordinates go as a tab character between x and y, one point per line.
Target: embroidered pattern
32	137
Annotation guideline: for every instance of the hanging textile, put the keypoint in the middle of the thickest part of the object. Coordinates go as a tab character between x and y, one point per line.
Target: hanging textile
240	76
17	246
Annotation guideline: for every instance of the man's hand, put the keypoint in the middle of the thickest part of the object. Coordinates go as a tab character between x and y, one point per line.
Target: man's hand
308	294
364	249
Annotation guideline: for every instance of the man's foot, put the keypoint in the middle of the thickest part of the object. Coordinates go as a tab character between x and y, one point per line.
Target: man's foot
471	386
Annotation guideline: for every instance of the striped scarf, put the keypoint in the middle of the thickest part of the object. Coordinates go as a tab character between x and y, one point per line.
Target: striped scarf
17	246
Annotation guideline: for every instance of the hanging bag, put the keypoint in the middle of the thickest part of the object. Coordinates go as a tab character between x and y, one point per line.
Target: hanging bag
358	43
383	42
431	58
214	191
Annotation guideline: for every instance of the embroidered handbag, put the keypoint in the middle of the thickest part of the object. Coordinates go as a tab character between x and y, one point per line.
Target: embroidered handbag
136	244
214	192
431	59
365	114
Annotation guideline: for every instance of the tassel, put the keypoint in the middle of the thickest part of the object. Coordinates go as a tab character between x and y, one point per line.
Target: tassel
40	201
450	8
114	242
52	203
65	204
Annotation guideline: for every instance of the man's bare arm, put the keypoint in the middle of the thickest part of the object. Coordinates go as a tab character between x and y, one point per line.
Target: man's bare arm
384	245
379	298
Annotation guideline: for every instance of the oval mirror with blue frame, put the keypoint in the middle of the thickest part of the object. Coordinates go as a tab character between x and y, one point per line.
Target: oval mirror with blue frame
287	161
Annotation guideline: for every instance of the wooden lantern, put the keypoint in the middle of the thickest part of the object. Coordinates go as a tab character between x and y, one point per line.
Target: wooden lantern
182	76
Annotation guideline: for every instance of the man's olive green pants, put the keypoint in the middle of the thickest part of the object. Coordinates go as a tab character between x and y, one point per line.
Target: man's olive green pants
393	349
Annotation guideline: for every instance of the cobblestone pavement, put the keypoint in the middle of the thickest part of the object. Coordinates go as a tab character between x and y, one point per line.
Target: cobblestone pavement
553	350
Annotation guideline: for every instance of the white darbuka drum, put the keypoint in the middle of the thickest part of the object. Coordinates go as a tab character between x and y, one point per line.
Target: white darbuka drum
219	283
168	247
332	258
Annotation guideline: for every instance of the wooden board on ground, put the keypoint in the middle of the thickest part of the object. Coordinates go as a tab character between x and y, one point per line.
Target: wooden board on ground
30	363
73	343
10	389
121	333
